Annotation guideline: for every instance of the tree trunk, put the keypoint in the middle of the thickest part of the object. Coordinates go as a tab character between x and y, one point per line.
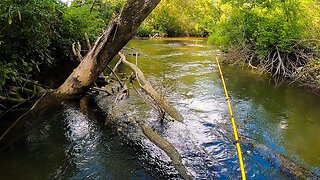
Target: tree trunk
117	35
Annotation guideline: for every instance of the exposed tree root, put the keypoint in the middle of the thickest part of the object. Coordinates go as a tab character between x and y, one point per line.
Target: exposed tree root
296	66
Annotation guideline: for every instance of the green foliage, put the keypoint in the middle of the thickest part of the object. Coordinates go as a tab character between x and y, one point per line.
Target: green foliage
34	34
23	35
89	18
7	73
28	28
76	21
263	24
311	10
179	18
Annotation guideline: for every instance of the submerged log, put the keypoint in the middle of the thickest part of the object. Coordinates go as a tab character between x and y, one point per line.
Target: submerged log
146	86
119	32
285	165
168	148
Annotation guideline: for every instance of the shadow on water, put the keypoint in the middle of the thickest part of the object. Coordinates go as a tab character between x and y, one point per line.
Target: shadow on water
279	125
70	140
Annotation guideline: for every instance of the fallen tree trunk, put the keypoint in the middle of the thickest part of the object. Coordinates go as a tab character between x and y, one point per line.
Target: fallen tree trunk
117	35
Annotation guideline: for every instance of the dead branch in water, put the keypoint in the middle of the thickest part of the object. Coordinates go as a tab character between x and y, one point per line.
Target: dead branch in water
168	148
22	116
115	68
146	86
115	75
152	103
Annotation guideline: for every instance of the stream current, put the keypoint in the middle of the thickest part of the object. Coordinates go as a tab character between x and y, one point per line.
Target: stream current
279	125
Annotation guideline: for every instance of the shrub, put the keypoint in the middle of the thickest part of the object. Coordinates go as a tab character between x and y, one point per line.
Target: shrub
272	30
28	29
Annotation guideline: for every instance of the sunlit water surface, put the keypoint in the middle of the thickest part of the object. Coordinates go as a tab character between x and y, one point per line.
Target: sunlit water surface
274	122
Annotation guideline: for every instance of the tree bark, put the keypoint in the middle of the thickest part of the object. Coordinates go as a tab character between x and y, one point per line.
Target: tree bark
117	35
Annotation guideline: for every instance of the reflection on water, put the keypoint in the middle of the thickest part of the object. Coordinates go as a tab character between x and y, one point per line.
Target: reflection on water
68	140
289	115
65	143
284	119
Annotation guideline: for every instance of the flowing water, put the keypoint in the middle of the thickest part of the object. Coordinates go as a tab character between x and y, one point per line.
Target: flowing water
279	125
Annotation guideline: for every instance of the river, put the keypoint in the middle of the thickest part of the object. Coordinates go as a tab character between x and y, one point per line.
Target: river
275	123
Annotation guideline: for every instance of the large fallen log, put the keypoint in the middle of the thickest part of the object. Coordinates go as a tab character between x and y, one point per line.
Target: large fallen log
112	40
146	86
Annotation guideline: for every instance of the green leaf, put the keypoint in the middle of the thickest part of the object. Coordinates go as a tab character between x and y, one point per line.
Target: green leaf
25	63
9	21
29	68
19	14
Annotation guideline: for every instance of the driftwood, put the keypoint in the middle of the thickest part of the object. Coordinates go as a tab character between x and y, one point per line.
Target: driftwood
153	104
146	86
168	148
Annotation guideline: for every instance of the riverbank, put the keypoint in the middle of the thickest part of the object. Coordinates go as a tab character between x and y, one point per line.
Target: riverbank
306	76
309	76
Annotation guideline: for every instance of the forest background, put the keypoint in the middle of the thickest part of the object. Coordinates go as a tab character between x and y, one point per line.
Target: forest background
280	37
